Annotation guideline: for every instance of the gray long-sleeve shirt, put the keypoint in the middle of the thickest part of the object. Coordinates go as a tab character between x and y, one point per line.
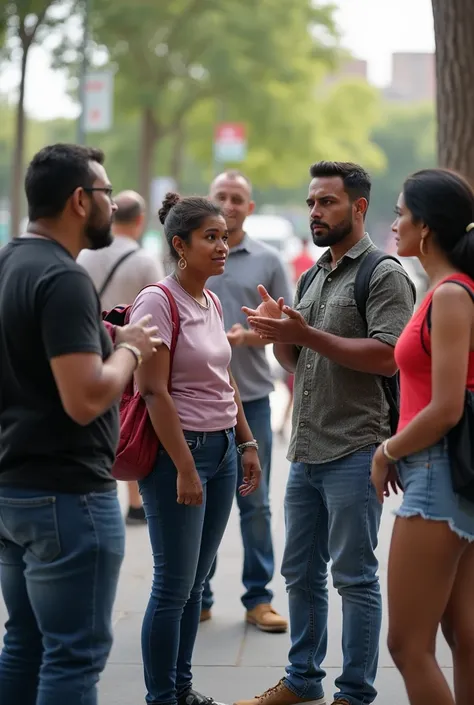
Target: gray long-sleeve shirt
249	264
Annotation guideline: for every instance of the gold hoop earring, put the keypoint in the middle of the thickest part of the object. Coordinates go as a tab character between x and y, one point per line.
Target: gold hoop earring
182	264
422	247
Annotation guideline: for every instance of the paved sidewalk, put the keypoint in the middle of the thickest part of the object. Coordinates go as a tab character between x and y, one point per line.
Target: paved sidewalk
232	660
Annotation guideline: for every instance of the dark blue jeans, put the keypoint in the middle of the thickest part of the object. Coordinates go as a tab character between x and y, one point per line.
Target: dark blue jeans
184	542
255	517
60	557
332	513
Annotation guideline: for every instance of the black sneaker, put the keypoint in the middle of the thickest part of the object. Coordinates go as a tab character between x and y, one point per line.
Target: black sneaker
135	516
192	697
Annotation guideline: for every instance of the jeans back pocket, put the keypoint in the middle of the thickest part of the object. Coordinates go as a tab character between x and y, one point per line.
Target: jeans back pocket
32	524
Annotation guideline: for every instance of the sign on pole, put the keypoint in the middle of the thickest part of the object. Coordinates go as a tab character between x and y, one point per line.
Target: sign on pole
159	187
98	101
230	142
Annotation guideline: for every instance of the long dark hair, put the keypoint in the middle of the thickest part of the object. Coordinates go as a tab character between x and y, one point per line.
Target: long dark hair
444	201
181	216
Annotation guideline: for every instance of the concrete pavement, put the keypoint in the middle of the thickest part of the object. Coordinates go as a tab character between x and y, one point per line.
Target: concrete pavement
233	660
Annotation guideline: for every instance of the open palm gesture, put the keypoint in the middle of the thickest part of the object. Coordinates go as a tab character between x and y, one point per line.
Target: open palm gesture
269	308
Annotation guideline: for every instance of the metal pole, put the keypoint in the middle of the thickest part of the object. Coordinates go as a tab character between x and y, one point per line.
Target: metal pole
81	121
216	165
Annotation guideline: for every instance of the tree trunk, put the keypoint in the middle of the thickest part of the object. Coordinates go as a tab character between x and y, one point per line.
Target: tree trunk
454	31
19	150
149	136
177	156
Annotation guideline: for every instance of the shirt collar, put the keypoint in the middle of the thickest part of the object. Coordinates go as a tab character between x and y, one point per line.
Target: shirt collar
356	251
243	246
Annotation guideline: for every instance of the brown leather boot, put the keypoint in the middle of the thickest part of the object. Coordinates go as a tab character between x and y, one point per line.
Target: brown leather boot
280	695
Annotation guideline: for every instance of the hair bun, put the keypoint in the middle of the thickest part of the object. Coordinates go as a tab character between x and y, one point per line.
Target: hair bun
170	200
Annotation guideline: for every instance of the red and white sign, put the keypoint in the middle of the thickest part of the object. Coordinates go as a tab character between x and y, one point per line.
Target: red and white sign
99	89
230	142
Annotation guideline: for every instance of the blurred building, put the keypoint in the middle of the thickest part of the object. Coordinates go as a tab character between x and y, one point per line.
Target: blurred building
351	68
413	77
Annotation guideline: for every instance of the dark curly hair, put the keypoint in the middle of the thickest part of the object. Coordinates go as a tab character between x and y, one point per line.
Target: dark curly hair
181	216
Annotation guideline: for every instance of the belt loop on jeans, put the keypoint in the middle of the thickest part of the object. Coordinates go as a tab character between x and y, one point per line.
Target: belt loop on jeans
203	439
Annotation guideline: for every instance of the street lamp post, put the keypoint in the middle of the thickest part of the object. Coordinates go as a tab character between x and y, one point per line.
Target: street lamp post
81	121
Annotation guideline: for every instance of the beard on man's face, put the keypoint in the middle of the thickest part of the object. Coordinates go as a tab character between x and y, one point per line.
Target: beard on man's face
98	236
325	236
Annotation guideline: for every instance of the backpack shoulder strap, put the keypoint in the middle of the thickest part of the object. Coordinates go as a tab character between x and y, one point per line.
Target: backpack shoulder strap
113	270
307	279
216	302
364	274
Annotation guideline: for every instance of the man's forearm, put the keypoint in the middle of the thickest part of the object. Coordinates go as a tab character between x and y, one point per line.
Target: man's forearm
287	356
359	354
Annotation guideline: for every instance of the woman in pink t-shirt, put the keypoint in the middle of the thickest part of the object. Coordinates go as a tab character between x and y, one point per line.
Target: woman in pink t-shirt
188	496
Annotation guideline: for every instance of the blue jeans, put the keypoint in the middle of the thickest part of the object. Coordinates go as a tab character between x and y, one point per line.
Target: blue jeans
332	513
60	557
255	517
184	542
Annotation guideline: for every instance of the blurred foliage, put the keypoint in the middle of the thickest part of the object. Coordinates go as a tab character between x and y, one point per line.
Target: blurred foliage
407	136
182	66
22	24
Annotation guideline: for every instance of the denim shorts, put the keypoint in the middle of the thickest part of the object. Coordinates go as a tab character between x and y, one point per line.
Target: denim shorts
428	491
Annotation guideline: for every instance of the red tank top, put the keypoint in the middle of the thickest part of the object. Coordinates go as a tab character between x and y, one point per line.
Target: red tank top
415	364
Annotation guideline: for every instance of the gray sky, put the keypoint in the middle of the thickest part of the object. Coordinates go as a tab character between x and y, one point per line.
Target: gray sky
371	29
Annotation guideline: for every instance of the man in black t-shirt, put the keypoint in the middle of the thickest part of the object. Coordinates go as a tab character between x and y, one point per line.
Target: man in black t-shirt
61	529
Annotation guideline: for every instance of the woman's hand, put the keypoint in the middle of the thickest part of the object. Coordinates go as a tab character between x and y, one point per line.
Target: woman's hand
251	470
189	488
384	476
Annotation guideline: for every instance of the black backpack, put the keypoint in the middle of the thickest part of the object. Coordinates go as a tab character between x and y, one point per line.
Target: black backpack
391	385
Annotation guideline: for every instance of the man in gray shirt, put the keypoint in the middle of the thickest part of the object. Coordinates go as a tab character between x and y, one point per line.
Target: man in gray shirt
119	272
340	415
249	264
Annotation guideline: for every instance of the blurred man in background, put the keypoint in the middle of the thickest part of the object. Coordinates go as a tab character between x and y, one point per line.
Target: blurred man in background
249	264
119	272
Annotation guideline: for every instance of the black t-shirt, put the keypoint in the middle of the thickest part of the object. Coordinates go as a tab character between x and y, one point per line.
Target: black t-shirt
48	308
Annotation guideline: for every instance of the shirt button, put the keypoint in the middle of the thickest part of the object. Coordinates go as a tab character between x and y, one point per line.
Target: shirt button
301	423
329	279
322	306
306	392
308	366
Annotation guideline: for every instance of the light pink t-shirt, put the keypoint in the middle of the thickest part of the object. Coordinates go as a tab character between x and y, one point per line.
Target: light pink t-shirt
200	386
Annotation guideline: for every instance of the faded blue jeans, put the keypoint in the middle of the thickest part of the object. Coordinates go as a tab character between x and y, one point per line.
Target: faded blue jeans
60	557
184	542
332	513
255	517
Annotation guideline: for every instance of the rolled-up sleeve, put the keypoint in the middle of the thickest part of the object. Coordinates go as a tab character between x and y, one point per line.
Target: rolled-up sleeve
390	303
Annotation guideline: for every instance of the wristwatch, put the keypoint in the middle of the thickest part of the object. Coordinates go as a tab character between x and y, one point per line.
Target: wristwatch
242	447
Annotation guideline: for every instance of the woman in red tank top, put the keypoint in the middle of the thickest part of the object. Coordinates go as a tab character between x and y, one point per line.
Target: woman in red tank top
431	564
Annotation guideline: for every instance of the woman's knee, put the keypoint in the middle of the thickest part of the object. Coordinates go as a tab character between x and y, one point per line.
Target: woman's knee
171	589
458	636
407	650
